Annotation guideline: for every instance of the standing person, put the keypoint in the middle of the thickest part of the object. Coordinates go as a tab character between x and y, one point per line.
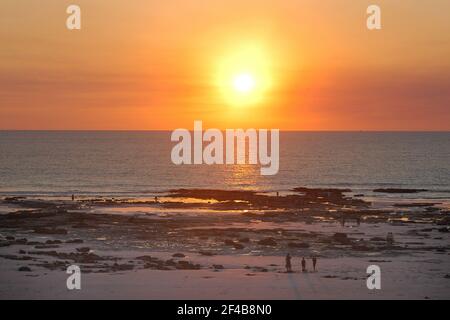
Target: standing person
73	197
288	263
303	264
390	238
314	260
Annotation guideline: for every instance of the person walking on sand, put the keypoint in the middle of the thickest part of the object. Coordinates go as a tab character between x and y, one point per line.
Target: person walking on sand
303	264
314	261
288	263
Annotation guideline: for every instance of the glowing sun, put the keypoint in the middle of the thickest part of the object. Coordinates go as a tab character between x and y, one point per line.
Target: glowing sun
244	82
244	76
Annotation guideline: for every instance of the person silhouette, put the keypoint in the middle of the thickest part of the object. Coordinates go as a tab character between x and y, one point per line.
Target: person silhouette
288	263
303	264
390	238
314	261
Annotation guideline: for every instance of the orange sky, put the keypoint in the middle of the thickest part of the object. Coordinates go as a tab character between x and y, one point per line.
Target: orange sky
151	65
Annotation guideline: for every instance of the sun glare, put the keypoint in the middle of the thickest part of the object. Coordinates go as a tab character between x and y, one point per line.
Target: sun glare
244	82
244	76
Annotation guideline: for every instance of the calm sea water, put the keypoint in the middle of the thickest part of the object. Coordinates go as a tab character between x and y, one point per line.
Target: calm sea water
138	163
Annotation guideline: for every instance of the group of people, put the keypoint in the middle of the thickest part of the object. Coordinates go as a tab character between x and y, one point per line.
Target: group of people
289	265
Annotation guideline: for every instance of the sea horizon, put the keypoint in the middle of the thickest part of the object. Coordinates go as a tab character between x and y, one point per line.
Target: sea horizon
137	163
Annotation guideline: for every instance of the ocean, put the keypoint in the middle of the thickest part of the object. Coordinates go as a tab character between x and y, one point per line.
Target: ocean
138	163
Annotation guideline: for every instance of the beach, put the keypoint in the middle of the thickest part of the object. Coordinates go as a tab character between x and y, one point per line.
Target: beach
225	150
223	244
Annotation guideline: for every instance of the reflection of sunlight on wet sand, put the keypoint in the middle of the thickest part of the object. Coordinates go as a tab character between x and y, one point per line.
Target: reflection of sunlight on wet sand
160	212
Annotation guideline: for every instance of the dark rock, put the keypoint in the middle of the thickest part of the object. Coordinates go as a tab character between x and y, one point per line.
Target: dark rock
206	253
361	247
24	269
178	255
444	222
298	245
10	238
398	190
55	265
84	249
14	257
341	238
17	198
260	269
53	242
170	262
186	265
81	225
413	205
86	258
267	242
160	267
148	259
218	266
445	229
50	231
46	246
75	241
122	267
33	243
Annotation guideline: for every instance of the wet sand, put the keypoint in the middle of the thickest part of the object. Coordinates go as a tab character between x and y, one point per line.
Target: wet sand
213	244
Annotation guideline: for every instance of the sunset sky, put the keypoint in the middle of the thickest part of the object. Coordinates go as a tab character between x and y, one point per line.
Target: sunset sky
152	65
